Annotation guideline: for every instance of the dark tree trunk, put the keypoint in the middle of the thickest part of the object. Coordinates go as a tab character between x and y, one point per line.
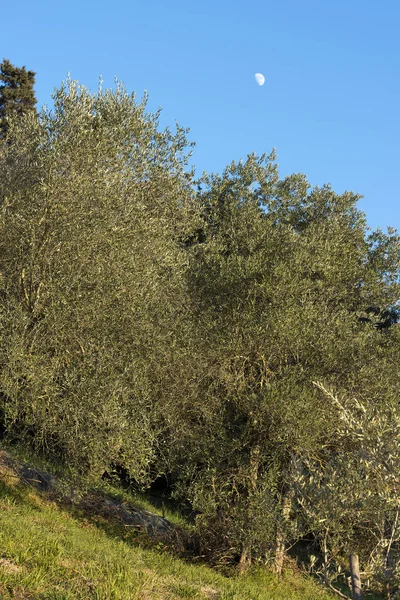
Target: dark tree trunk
355	577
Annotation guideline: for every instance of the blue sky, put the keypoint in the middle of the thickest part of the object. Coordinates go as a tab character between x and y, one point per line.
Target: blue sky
330	103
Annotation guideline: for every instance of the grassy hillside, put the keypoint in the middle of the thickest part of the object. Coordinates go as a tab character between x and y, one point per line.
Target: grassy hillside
49	552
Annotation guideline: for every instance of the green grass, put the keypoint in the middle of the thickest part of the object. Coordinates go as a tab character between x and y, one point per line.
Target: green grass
47	552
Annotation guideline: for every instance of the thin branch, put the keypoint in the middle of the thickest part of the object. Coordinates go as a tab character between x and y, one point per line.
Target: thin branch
338	592
393	532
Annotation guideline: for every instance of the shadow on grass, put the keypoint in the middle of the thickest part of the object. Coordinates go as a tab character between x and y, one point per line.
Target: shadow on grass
178	542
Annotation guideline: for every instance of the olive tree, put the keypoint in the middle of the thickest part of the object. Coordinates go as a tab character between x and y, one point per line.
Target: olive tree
94	200
347	492
281	276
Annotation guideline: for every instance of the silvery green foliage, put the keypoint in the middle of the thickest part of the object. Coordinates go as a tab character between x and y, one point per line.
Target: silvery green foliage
178	332
348	492
279	275
94	200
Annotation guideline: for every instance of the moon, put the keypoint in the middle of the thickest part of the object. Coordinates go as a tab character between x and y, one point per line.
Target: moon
260	79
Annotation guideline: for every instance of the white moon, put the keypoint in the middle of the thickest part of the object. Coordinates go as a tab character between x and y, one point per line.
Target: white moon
260	79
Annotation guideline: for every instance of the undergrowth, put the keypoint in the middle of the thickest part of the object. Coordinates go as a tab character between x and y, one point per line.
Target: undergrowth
50	552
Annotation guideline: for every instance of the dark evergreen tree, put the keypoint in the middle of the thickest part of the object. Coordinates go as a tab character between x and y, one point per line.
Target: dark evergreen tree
17	95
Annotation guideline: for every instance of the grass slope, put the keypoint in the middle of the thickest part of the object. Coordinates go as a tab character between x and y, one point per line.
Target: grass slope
47	552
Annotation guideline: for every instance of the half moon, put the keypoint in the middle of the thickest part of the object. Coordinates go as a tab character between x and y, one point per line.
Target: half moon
260	79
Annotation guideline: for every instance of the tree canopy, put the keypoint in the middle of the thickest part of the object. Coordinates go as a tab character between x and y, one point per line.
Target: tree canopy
17	95
203	330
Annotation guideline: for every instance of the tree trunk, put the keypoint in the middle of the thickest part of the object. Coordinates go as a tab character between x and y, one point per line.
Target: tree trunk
355	577
326	558
390	562
281	537
245	559
280	553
